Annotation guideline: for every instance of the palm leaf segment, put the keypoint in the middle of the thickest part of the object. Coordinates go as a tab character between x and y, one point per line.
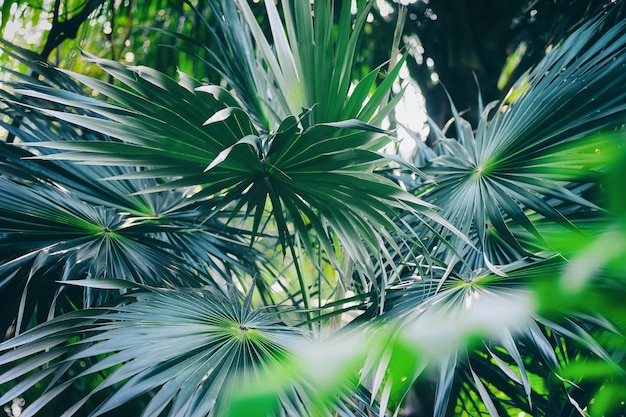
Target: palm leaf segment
537	151
191	348
307	64
484	343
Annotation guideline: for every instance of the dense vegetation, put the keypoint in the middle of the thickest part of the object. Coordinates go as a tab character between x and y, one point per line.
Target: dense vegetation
211	216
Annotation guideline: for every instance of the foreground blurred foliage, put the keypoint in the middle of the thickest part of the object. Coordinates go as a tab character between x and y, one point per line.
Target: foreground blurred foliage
233	237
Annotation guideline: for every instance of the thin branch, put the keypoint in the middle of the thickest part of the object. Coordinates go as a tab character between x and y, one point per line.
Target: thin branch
60	31
67	29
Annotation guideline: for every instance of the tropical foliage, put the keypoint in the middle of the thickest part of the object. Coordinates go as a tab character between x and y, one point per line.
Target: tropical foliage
250	246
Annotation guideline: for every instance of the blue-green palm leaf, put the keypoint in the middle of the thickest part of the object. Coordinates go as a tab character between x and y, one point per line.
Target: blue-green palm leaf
51	235
190	348
307	62
518	352
314	177
529	155
61	221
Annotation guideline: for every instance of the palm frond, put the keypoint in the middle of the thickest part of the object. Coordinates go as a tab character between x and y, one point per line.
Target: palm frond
314	177
189	348
61	221
49	235
530	152
502	313
531	166
306	63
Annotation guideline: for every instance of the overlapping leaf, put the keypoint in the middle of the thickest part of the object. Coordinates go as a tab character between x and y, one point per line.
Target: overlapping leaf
515	349
292	156
533	162
315	177
60	221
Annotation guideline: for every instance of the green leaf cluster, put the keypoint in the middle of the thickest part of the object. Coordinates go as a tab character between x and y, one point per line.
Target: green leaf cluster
180	247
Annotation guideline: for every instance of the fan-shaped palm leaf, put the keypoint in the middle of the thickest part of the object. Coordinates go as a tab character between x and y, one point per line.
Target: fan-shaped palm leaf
190	348
529	154
60	221
502	311
530	162
314	177
307	64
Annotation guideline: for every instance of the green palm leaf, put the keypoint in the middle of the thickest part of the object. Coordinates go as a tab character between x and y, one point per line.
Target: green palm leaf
191	348
307	64
532	164
60	221
314	177
530	153
501	311
48	235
